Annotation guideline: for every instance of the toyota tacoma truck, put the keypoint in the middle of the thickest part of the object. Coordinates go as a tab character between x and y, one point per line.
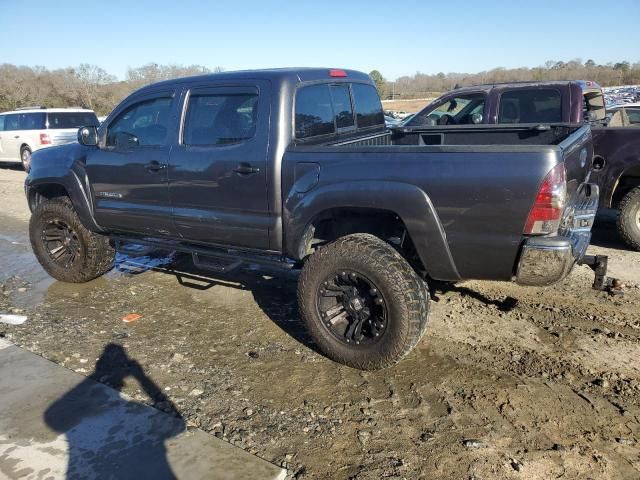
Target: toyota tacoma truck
295	167
539	105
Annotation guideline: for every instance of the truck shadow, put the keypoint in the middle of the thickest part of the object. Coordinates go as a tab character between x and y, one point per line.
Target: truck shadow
273	289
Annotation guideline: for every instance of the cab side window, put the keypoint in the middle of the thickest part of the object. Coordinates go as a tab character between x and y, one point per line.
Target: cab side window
532	105
369	111
314	111
219	119
143	124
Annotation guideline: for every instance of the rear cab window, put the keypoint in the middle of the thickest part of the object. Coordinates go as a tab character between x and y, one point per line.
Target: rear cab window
530	105
330	109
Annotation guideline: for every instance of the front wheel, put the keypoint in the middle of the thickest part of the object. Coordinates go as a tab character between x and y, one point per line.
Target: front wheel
629	218
64	247
362	303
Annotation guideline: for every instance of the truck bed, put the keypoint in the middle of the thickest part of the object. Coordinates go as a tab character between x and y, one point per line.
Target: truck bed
468	135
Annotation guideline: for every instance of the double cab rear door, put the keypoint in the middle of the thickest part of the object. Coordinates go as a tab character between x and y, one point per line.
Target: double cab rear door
187	162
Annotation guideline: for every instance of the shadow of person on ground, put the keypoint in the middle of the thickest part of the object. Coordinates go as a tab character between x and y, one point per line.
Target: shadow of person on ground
109	436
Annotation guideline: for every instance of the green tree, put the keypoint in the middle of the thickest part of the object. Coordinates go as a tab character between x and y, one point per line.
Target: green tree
380	82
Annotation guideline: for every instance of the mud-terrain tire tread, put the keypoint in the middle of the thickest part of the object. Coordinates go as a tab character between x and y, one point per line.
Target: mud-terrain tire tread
627	227
96	253
406	290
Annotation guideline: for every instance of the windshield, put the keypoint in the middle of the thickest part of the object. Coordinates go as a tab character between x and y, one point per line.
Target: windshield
56	120
456	110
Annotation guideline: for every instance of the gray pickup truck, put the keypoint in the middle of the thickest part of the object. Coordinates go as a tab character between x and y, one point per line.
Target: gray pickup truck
294	167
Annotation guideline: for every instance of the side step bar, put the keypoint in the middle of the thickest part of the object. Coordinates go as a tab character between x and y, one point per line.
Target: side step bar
215	259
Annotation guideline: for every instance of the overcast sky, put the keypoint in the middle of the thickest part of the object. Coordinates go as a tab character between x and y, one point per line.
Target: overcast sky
397	38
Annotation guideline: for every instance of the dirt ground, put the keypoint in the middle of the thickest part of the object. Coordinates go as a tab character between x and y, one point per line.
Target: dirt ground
507	383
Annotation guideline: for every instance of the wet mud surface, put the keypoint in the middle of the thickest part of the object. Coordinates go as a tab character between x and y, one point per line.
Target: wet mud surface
508	382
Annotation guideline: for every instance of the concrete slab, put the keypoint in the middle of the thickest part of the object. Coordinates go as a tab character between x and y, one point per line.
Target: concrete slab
55	423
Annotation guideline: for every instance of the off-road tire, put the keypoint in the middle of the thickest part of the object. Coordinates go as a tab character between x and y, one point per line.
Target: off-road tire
629	218
406	294
95	256
25	158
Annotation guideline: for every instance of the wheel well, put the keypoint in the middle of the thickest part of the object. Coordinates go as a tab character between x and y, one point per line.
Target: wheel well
22	147
338	222
627	181
41	193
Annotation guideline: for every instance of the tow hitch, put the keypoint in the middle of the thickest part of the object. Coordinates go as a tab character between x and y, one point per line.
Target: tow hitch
598	263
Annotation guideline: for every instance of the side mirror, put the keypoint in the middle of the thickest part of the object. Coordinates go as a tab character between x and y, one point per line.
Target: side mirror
88	136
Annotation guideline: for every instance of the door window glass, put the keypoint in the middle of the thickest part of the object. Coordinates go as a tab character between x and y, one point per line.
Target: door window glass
220	119
72	119
11	122
1	123
457	110
142	124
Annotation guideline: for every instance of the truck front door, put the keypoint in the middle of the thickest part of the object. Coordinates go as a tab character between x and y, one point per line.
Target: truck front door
128	171
218	169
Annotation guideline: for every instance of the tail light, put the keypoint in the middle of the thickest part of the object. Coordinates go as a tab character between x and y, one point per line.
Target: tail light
45	139
547	210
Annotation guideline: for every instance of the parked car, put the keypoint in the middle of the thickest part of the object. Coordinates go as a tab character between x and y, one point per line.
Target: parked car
548	106
295	168
625	115
25	130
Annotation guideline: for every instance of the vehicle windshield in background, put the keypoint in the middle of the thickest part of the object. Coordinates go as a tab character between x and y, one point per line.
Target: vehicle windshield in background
71	119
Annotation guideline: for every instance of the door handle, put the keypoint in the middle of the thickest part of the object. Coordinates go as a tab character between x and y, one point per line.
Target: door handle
245	169
17	136
155	166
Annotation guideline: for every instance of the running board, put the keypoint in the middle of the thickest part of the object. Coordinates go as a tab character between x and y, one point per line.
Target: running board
215	263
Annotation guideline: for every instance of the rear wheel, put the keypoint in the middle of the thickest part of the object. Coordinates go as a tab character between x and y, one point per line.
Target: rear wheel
64	247
362	302
25	157
629	218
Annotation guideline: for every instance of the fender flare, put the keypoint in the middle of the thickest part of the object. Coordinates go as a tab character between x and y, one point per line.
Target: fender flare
412	205
75	183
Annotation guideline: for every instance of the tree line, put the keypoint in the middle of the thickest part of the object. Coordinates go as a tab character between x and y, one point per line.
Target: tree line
84	86
92	87
423	85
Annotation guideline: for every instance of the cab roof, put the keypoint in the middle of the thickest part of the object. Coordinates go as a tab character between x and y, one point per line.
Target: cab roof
277	75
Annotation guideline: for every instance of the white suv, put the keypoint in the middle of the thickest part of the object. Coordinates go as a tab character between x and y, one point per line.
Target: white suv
26	130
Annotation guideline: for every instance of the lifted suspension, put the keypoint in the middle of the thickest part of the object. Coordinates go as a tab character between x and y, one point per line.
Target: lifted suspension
599	263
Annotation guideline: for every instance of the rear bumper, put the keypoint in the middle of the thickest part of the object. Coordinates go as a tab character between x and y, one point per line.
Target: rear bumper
547	260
